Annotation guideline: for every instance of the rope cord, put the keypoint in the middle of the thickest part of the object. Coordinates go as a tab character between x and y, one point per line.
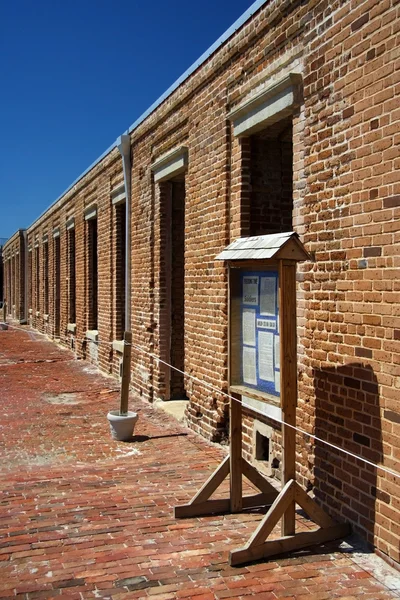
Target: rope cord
244	405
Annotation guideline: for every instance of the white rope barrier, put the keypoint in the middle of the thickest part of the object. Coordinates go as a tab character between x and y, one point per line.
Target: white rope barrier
225	394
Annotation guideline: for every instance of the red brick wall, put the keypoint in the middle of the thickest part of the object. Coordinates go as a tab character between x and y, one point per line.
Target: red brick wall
337	173
349	370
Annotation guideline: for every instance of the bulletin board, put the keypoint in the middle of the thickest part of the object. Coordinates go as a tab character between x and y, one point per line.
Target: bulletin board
261	270
255	343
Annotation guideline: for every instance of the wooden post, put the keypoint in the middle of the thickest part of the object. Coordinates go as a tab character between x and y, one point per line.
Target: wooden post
126	373
235	426
288	359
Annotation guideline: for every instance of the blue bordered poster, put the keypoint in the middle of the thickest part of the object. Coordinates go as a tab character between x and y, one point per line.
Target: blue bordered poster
260	356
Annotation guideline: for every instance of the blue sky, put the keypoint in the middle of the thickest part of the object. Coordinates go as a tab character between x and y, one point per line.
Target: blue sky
75	75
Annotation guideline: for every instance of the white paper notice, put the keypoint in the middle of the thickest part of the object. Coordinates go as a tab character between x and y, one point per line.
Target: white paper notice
249	326
250	290
266	355
277	353
277	381
268	296
249	365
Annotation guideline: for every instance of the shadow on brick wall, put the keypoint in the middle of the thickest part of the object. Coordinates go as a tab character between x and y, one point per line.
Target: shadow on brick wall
348	415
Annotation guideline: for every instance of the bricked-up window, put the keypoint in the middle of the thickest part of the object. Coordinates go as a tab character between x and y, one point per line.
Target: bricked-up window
71	276
57	286
271	177
46	278
120	261
92	273
37	279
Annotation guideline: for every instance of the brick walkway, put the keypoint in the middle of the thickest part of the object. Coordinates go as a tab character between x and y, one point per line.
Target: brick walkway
82	516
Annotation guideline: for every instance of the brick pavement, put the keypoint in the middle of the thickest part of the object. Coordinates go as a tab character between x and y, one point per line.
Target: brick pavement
82	516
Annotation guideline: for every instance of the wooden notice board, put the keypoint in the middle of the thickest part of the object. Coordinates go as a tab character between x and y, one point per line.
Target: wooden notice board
263	366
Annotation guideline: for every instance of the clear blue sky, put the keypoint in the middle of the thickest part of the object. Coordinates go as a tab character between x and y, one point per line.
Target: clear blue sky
74	75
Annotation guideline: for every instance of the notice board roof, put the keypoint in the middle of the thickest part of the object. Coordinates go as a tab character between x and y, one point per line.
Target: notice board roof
261	247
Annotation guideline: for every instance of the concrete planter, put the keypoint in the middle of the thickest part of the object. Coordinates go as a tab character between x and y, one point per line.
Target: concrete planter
122	426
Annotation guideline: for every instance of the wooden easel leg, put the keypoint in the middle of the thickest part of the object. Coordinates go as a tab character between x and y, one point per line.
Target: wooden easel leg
288	362
198	503
236	466
289	474
277	510
202	505
236	491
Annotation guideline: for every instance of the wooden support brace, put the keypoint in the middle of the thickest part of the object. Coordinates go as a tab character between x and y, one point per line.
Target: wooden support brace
219	505
251	473
208	507
257	547
213	482
201	504
277	510
287	544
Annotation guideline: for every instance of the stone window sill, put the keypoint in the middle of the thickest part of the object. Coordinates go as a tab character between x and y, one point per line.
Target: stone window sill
71	327
92	335
38	313
118	346
45	317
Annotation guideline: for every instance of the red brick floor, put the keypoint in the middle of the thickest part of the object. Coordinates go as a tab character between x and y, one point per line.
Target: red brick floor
82	516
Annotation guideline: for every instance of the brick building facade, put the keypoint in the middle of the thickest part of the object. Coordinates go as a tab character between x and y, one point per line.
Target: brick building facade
290	122
15	275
